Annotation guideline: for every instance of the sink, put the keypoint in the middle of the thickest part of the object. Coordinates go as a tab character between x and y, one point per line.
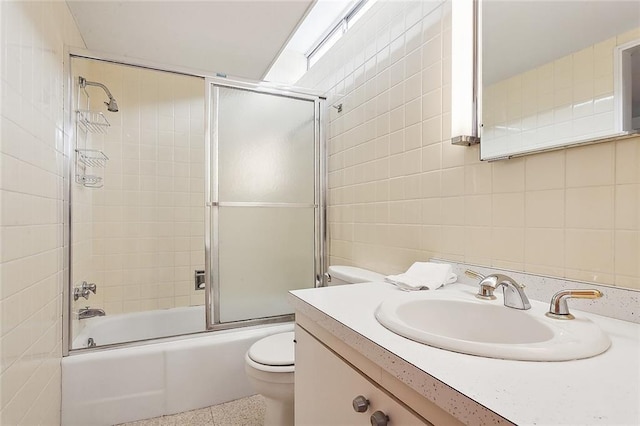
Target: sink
457	321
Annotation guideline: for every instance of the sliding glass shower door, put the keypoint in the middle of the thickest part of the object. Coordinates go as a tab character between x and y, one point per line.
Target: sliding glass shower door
265	207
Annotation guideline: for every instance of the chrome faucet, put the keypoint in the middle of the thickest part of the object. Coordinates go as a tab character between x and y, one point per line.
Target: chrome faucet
514	296
84	290
87	312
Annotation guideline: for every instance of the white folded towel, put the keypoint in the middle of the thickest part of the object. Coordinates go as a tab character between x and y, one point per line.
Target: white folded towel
425	275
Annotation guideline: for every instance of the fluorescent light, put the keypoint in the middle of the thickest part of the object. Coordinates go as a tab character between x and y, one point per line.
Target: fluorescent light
464	127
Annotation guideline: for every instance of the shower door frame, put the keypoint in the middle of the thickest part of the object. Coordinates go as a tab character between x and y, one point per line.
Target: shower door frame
212	247
321	183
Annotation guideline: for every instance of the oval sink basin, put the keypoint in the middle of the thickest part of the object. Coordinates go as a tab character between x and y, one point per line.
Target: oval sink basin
459	322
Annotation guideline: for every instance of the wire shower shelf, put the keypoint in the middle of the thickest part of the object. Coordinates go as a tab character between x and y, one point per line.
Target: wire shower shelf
92	157
91	181
93	122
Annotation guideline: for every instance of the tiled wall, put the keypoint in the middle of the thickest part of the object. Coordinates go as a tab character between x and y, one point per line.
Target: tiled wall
31	276
146	225
560	102
400	192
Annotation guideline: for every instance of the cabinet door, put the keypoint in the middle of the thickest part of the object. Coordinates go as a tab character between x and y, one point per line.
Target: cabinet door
325	387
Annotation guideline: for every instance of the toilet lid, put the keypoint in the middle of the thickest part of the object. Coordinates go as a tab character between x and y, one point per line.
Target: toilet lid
277	349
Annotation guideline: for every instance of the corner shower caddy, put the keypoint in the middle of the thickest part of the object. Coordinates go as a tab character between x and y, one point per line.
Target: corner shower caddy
90	163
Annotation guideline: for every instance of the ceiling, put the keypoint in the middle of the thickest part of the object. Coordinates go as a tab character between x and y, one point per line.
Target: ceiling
240	38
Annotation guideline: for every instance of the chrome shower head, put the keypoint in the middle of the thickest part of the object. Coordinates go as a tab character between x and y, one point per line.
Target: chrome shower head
112	105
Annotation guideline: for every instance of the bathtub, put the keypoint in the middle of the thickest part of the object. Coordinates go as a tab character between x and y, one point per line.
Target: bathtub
118	385
112	329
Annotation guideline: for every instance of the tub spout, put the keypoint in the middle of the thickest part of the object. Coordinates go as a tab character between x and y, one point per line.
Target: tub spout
88	312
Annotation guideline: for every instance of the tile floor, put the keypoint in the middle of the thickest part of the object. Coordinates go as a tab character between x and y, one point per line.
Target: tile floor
241	412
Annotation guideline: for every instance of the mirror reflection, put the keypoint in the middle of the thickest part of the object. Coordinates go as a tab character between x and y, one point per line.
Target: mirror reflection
551	73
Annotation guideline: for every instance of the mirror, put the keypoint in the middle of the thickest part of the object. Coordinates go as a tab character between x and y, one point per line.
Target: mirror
557	73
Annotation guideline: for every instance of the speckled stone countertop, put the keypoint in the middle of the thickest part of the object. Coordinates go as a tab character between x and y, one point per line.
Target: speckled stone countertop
603	390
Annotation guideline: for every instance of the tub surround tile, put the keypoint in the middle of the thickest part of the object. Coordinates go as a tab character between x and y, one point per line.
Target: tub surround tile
151	204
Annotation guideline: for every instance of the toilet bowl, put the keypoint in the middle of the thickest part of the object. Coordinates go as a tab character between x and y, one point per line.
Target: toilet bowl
270	361
269	366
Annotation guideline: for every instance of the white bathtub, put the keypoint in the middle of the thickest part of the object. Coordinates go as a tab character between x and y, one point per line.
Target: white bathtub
119	385
120	328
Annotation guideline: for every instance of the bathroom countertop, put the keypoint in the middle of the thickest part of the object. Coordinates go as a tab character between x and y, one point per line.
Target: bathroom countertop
603	390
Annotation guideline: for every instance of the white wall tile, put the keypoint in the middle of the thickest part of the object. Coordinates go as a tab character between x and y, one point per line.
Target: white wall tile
33	39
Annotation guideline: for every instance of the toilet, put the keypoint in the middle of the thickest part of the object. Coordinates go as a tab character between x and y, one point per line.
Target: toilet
339	275
269	363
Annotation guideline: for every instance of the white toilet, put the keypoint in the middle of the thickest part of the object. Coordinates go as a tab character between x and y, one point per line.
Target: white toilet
270	361
339	275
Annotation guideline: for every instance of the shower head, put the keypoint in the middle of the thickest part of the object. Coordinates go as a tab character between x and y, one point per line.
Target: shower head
112	105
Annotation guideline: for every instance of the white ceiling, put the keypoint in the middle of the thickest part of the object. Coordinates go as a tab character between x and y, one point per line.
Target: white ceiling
240	38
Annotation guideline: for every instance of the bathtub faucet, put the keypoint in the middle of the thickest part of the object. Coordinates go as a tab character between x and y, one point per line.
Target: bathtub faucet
87	312
84	290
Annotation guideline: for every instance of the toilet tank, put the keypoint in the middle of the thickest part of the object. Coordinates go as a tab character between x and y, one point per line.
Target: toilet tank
350	275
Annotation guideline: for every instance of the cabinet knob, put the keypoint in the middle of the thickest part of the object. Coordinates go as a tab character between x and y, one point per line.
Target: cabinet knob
379	419
360	404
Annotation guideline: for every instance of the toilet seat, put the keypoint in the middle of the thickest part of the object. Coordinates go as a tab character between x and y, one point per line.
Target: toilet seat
274	353
265	372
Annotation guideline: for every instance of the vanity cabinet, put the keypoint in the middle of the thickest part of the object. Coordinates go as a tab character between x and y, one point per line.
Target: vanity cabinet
326	386
342	352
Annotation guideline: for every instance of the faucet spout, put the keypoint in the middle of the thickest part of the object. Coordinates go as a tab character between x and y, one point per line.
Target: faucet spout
514	296
84	313
513	292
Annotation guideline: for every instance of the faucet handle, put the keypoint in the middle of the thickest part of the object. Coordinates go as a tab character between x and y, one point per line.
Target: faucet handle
90	287
559	309
474	274
79	292
484	292
489	284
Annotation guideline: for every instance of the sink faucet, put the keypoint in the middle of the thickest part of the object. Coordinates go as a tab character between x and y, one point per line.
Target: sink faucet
514	296
559	308
87	312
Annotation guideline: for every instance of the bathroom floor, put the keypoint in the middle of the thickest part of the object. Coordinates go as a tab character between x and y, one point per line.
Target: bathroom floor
241	412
